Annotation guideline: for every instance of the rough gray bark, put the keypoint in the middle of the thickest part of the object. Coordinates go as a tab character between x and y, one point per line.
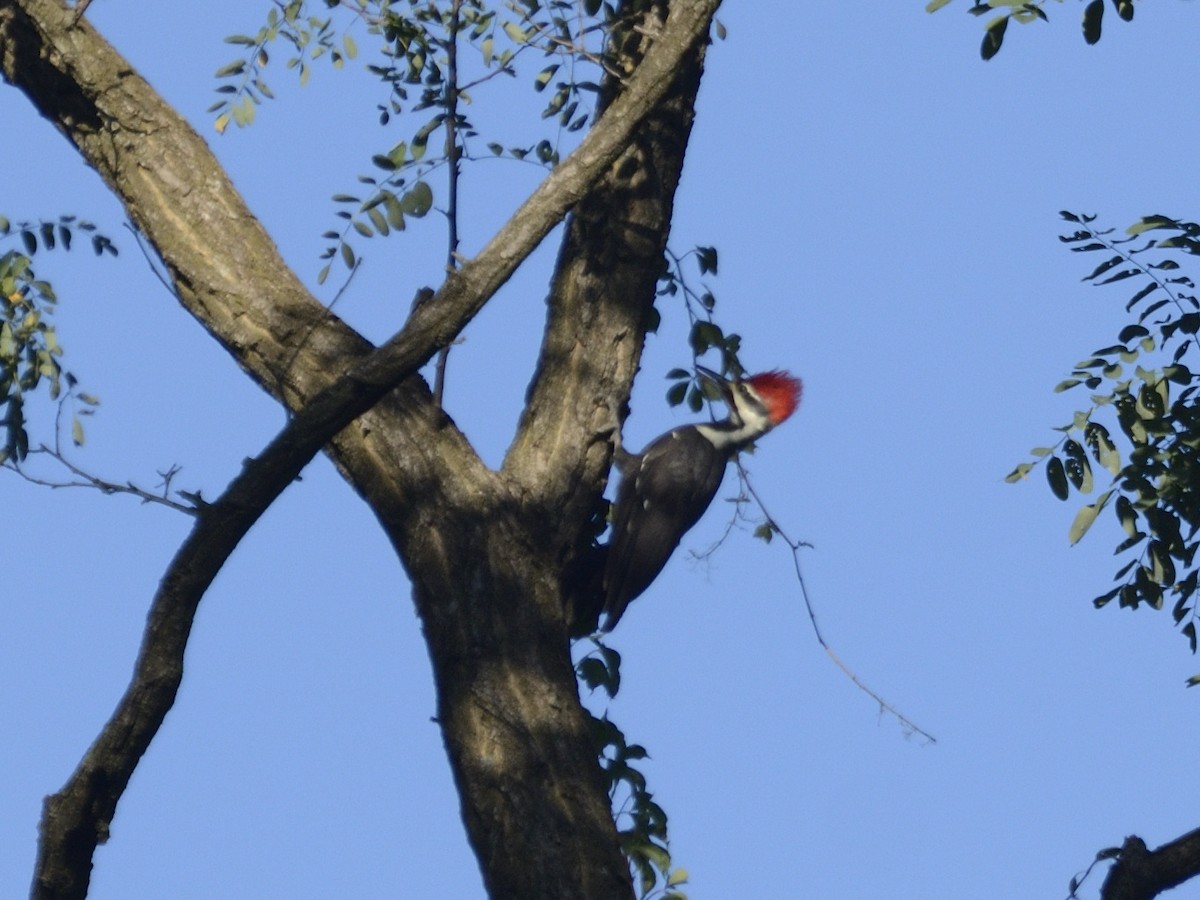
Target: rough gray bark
485	550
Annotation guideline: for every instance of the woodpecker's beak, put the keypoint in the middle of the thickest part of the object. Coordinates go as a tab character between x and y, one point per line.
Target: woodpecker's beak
724	389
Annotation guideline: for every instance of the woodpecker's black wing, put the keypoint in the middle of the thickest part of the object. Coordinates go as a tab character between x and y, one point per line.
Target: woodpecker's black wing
663	492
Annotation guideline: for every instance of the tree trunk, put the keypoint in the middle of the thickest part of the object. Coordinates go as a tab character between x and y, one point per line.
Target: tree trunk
486	551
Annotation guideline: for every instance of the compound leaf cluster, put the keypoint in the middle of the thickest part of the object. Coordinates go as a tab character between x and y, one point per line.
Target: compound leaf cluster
29	347
1023	13
641	822
1142	426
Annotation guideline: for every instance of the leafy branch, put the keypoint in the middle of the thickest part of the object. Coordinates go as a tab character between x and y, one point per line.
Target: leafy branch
1024	13
704	334
1142	382
29	347
421	47
641	822
244	87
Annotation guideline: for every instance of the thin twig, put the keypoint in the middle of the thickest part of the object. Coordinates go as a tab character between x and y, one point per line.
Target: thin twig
908	724
88	480
452	156
152	260
287	365
80	7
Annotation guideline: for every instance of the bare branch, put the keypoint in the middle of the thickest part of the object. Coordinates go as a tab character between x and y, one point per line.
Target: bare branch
87	480
906	723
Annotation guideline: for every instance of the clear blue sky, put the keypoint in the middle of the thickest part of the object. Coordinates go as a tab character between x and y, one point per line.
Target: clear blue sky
885	206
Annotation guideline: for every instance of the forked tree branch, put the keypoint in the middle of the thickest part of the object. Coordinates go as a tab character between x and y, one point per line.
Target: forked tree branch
77	818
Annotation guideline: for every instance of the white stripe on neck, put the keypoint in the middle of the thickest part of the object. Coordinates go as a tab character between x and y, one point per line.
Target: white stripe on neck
727	435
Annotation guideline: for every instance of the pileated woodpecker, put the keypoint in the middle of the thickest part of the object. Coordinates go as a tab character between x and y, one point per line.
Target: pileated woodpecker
667	487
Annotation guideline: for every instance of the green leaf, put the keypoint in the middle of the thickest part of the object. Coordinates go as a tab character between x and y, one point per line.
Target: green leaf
515	33
1018	474
1078	470
1129	332
993	37
394	209
1120	276
234	68
935	5
77	431
1103	448
418	200
1057	476
543	77
1104	267
420	140
1162	569
705	335
1149	223
1093	15
1085	517
676	393
1140	296
1127	515
397	154
378	220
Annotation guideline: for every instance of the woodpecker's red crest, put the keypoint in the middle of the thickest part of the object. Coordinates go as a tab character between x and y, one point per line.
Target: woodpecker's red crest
780	391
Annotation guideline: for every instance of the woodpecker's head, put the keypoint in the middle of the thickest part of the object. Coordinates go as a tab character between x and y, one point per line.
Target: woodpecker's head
756	403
